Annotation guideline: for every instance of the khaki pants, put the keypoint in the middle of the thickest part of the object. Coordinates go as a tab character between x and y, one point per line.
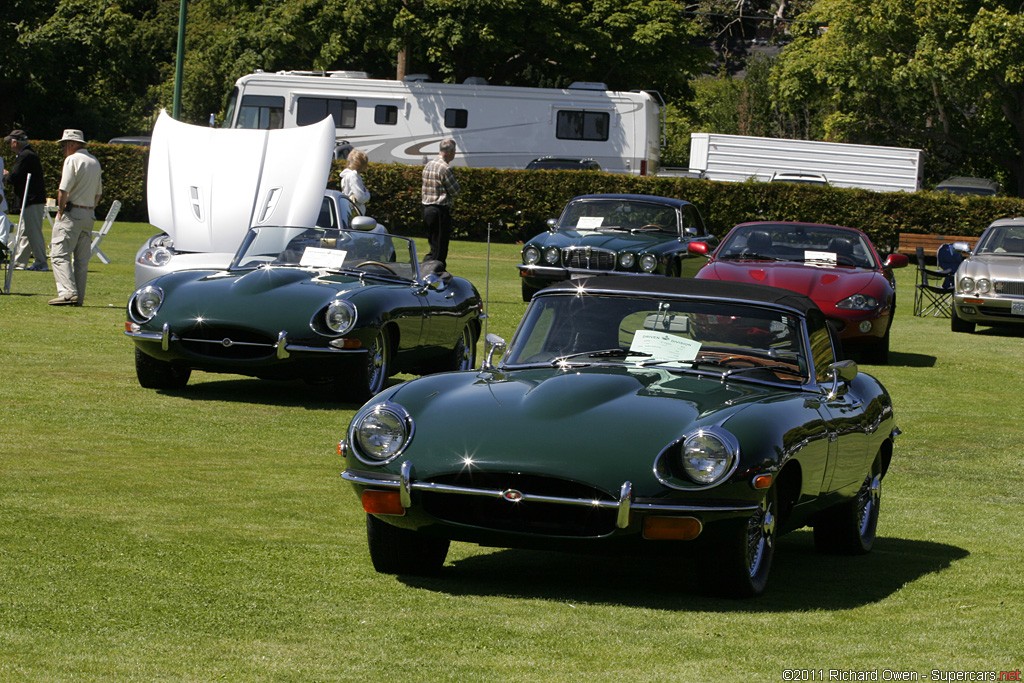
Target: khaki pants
31	237
70	250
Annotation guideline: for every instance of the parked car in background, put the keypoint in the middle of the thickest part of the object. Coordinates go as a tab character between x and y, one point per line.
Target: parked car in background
140	140
799	178
989	283
562	164
837	267
614	234
345	308
965	185
205	187
633	415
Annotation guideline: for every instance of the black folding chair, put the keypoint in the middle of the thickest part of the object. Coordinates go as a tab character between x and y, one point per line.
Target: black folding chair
933	294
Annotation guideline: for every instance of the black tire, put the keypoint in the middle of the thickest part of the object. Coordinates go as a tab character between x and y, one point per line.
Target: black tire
401	551
370	375
464	354
159	374
740	567
528	291
849	528
958	324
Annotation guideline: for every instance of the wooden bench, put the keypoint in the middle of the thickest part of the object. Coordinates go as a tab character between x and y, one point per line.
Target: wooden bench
910	241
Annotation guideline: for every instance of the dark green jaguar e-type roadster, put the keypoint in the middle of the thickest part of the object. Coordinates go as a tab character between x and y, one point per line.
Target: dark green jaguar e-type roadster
348	308
632	414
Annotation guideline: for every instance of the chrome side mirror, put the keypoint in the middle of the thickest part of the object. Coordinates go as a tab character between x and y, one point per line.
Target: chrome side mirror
552	225
493	344
842	372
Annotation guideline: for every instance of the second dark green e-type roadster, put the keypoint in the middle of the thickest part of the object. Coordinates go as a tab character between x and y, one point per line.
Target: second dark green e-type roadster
345	308
632	414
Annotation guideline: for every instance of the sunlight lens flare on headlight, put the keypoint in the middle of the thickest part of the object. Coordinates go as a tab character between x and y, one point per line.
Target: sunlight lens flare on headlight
381	433
340	316
707	457
146	302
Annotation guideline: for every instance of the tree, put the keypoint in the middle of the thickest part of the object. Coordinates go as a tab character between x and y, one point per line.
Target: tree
944	75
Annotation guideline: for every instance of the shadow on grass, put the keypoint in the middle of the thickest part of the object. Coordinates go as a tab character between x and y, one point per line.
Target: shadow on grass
801	578
268	392
911	360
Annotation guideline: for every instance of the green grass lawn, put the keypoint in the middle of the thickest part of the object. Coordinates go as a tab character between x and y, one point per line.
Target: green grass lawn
206	535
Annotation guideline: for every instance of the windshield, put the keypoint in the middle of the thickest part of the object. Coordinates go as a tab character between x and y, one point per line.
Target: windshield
371	252
677	334
812	244
618	214
1007	240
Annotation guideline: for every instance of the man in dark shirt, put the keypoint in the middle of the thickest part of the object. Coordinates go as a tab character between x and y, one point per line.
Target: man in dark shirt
27	163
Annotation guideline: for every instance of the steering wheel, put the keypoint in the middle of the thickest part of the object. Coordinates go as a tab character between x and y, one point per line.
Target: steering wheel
650	226
378	264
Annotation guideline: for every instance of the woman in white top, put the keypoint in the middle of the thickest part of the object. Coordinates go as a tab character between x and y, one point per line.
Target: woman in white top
352	183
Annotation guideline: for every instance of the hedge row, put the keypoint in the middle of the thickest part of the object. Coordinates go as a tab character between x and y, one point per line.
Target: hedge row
516	204
513	205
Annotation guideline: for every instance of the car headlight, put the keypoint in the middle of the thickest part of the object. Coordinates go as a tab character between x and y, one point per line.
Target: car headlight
551	255
157	257
626	260
531	255
858	302
145	303
966	284
380	434
704	457
648	262
984	285
340	316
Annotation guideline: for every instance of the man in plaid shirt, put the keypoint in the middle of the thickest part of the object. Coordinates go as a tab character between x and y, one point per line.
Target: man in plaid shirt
439	190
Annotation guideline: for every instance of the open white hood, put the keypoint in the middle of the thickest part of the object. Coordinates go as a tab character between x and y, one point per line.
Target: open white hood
208	186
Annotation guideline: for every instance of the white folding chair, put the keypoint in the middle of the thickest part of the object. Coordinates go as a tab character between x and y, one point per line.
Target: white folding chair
97	237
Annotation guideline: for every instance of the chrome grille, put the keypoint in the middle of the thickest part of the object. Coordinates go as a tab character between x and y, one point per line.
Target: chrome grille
1008	287
588	258
531	517
228	343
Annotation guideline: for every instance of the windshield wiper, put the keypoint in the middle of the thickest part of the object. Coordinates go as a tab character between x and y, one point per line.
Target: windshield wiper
605	353
750	256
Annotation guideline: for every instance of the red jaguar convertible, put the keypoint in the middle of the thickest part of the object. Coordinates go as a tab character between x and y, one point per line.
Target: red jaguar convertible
837	267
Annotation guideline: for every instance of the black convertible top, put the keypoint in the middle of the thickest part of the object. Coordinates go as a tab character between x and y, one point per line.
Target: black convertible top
672	286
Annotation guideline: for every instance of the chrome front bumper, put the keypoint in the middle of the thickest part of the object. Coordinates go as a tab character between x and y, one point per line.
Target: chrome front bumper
624	506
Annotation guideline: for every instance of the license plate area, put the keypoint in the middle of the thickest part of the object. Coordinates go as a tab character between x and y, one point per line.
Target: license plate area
1017	308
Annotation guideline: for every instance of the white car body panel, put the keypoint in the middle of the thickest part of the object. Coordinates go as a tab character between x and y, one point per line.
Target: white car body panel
207	186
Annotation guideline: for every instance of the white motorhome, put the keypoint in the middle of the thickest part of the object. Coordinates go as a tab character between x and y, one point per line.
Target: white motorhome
494	126
737	158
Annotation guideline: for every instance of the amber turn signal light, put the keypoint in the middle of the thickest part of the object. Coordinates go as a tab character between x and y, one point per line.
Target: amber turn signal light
672	528
382	503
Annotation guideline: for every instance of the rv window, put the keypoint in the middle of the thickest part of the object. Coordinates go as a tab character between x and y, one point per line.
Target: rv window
385	115
313	109
582	125
262	112
456	118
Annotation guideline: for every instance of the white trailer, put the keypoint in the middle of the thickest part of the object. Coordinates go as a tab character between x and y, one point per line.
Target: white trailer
493	126
736	158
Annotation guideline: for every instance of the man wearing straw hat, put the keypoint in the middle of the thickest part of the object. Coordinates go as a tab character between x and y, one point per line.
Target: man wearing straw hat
81	186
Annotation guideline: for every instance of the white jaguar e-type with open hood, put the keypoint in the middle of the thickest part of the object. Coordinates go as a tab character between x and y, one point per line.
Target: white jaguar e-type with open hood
207	186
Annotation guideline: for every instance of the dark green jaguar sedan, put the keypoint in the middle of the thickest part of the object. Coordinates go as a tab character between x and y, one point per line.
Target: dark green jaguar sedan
615	234
632	414
343	308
